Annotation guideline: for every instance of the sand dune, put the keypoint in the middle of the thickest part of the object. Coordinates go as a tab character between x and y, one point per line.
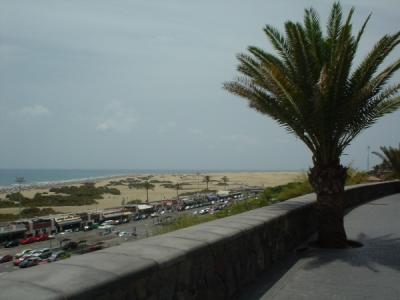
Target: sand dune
190	183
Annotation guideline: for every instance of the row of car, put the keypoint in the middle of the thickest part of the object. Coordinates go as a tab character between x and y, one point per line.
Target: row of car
29	257
37	257
28	240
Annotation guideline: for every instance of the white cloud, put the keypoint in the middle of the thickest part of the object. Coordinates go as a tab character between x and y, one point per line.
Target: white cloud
34	111
117	124
117	118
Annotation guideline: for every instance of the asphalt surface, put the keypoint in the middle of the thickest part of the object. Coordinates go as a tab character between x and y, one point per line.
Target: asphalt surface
142	229
368	272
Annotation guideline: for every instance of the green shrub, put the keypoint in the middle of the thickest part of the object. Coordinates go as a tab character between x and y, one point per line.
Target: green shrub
356	177
85	194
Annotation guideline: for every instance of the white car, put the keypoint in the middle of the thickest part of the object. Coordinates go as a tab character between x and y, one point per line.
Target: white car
23	253
123	234
106	226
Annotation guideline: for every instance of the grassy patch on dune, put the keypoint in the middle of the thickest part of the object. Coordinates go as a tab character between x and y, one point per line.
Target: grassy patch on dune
85	194
269	196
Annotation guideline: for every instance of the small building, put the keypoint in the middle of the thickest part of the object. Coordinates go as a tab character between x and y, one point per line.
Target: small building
145	209
131	207
120	214
90	217
42	225
69	221
223	194
212	197
10	232
169	203
38	226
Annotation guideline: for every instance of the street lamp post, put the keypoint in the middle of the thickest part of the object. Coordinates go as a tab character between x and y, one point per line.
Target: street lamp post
368	149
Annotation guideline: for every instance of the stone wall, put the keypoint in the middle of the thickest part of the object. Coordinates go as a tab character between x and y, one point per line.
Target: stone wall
213	260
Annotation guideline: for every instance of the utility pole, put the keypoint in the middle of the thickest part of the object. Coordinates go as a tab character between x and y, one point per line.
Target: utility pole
198	181
20	181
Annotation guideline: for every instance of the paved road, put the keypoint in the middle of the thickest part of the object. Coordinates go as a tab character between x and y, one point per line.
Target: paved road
143	228
369	272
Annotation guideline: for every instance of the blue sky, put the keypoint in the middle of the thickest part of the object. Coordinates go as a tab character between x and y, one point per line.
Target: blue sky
138	84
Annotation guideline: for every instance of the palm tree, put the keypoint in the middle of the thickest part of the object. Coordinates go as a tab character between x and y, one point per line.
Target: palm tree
207	180
178	187
225	181
148	186
391	159
311	89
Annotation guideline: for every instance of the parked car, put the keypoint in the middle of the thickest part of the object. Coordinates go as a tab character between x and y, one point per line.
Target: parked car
59	255
95	247
23	252
35	253
42	253
5	258
70	245
42	237
28	240
106	226
87	228
30	262
10	244
123	234
18	261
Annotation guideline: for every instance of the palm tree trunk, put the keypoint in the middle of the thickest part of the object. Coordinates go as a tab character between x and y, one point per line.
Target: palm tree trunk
328	183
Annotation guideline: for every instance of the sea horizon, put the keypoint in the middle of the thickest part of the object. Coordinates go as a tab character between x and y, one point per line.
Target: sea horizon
45	176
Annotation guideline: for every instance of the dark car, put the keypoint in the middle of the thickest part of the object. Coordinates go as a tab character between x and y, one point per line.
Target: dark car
5	258
58	256
95	247
30	262
70	245
10	244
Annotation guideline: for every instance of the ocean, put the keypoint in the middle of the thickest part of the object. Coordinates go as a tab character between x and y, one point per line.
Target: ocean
45	176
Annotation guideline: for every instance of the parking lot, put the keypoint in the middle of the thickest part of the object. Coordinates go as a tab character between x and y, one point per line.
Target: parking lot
112	236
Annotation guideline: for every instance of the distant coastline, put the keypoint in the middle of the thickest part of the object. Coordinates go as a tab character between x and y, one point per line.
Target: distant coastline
46	178
191	182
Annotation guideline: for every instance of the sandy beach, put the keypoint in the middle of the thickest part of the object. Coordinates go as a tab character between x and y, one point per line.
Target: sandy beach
189	182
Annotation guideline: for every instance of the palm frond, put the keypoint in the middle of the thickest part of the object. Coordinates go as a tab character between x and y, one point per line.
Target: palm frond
310	87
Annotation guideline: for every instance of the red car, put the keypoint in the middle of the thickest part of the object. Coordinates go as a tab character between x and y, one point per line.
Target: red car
5	258
20	260
42	237
95	247
28	240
